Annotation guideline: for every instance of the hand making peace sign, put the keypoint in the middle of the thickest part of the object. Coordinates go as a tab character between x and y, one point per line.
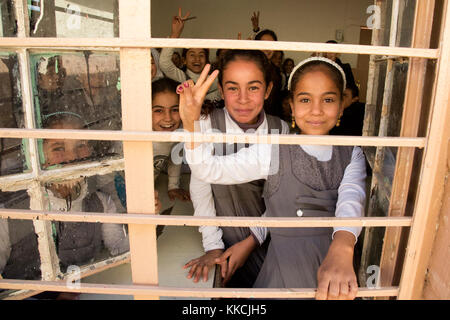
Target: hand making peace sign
178	23
192	97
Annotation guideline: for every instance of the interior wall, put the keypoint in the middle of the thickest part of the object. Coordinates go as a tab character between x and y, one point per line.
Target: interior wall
292	20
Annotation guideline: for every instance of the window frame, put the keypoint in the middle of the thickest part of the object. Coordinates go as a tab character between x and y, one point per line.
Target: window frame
134	44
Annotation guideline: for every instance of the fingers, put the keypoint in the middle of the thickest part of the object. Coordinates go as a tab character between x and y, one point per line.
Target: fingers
180	14
205	273
239	37
335	290
353	289
186	16
322	290
203	75
202	86
190	263
209	81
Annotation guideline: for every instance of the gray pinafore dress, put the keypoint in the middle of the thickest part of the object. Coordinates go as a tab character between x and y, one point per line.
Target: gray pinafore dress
240	200
303	187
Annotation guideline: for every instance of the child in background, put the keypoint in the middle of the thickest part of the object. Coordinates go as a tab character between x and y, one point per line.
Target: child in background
194	59
304	181
78	242
352	121
165	117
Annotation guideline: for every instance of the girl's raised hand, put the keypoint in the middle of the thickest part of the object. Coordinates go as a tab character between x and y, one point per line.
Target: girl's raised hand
193	95
178	23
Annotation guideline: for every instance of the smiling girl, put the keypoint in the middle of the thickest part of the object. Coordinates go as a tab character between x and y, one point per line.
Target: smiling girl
310	181
166	117
193	59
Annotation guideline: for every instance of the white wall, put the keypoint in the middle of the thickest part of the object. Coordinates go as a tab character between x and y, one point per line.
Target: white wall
292	20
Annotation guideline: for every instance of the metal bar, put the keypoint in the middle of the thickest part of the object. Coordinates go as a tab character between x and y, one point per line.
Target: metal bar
142	290
183	220
127	135
144	43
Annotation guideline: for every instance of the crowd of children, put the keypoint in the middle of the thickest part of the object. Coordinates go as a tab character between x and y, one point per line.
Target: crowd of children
261	92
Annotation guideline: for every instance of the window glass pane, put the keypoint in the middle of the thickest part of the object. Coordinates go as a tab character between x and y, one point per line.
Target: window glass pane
76	91
19	254
7	25
11	114
74	19
81	243
301	20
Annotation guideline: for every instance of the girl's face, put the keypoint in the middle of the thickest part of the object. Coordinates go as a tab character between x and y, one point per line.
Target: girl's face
244	90
65	150
165	112
288	66
316	103
195	60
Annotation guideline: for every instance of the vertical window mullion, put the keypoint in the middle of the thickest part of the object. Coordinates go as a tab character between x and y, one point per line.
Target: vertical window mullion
49	259
135	68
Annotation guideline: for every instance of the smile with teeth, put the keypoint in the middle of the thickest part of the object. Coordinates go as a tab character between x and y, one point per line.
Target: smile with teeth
167	126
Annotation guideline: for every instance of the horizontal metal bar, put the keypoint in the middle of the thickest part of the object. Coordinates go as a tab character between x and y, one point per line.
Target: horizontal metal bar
118	135
85	271
23	181
182	220
150	290
102	43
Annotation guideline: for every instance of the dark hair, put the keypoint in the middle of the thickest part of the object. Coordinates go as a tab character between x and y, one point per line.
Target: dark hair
264	32
354	89
315	65
256	56
185	50
331	41
164	85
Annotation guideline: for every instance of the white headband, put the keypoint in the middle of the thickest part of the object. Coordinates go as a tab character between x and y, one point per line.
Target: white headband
334	64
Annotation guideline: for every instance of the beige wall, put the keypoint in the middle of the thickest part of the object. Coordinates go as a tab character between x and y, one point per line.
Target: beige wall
292	20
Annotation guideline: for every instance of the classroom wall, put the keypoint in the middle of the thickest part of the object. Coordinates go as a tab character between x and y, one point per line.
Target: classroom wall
292	20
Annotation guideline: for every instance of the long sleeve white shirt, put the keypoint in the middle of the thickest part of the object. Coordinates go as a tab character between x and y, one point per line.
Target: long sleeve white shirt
201	192
254	163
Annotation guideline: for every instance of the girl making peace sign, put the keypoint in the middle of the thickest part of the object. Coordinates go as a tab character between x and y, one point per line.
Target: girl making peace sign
309	181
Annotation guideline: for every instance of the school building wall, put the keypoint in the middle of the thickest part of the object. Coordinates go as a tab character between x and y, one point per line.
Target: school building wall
292	20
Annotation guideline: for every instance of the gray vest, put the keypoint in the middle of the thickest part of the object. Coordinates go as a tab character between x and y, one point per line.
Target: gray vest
79	242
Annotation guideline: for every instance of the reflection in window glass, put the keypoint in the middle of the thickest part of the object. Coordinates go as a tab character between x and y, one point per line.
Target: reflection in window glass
7	24
79	18
19	255
81	243
11	114
76	91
